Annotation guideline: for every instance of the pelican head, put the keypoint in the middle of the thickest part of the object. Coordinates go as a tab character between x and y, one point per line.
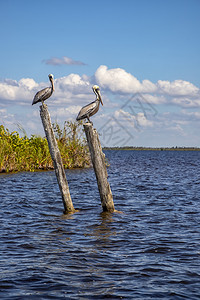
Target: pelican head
51	79
50	76
96	90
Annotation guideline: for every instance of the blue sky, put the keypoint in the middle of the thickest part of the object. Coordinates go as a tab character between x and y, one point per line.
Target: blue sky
143	54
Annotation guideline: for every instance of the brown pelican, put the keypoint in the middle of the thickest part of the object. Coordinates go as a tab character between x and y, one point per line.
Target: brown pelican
92	108
45	93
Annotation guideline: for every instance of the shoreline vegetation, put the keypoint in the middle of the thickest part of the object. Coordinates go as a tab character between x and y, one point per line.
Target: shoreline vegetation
154	148
32	154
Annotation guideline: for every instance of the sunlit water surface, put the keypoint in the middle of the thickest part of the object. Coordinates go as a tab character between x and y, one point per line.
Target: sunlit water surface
149	251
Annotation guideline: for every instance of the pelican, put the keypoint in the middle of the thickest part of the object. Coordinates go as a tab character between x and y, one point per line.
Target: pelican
44	94
92	108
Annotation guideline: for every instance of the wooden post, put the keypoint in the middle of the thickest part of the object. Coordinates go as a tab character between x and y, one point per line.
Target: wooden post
57	160
98	161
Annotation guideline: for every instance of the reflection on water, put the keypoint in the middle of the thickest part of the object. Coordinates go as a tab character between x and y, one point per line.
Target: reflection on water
102	232
149	251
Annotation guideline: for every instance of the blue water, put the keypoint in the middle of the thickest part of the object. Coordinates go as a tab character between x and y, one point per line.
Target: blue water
149	251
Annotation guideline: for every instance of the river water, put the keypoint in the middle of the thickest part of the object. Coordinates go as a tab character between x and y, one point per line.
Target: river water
149	251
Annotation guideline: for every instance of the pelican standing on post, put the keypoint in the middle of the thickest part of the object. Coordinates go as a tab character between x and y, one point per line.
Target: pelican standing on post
44	94
90	109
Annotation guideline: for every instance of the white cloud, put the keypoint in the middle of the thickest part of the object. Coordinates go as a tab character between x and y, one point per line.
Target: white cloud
55	61
119	81
186	101
154	99
137	121
7	91
66	89
77	89
72	81
72	89
10	82
177	87
192	115
157	109
66	112
28	83
143	121
13	90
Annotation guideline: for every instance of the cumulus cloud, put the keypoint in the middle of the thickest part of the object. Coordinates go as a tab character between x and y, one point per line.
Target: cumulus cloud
119	81
177	87
13	90
71	81
186	101
66	112
66	89
28	83
154	98
137	121
55	61
117	86
10	82
74	87
143	121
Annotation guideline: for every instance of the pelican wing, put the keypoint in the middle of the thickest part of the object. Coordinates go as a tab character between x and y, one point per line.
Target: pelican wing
86	110
42	95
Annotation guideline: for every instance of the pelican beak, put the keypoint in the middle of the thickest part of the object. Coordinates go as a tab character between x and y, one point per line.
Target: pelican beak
53	85
99	94
52	82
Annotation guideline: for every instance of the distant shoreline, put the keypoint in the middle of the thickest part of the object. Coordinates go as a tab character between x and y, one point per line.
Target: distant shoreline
154	148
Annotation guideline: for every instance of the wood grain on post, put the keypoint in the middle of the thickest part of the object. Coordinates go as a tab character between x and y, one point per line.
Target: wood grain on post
98	161
57	160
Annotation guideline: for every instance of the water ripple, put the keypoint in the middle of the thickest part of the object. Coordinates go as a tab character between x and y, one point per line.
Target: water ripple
149	251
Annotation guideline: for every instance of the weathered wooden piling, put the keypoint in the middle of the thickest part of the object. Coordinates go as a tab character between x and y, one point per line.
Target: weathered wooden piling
57	160
98	161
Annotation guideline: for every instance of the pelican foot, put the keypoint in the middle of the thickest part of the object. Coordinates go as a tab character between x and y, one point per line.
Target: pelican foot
88	123
45	105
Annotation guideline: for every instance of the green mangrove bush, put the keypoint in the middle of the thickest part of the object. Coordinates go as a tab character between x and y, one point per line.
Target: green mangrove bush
31	154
